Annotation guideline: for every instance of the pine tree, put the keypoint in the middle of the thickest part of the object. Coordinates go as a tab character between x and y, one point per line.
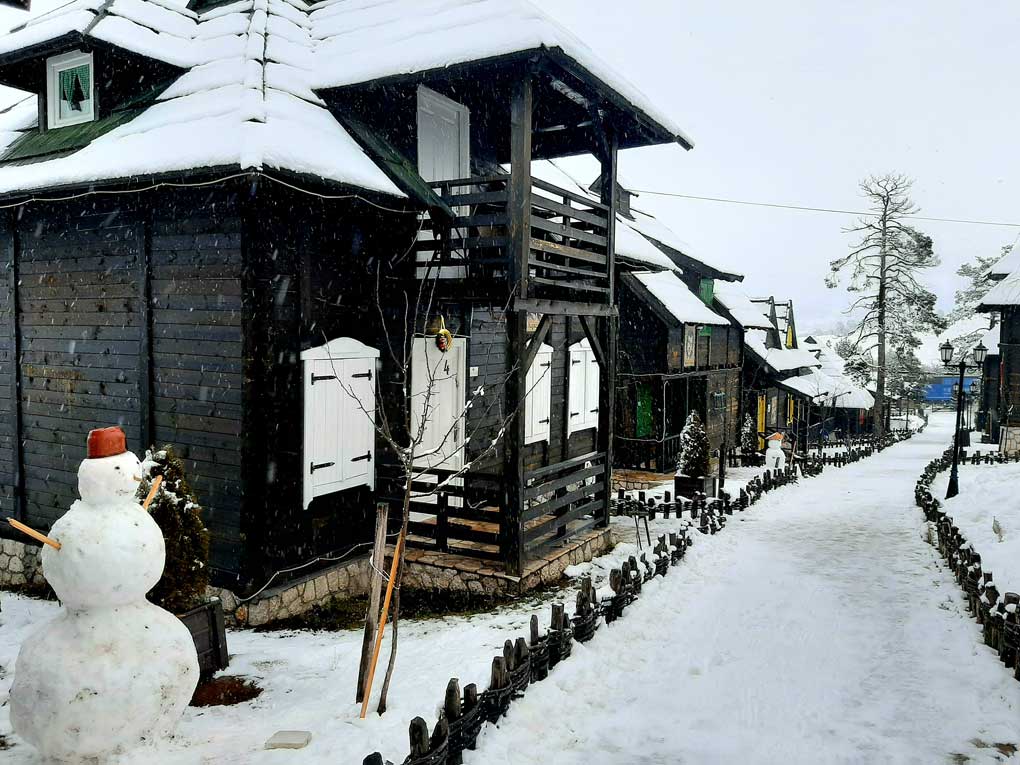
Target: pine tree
884	270
748	436
693	459
179	516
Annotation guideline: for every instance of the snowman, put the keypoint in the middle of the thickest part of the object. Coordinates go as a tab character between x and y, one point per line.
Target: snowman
112	670
775	457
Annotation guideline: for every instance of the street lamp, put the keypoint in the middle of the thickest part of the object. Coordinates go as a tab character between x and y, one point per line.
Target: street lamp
719	398
946	352
972	394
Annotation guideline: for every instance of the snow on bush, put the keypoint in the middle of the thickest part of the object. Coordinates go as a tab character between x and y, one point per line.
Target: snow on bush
693	459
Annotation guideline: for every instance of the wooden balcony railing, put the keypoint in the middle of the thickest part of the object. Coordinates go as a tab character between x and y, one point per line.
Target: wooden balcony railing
568	254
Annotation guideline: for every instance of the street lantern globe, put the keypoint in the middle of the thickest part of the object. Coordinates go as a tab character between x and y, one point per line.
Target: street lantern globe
973	387
946	351
956	389
979	354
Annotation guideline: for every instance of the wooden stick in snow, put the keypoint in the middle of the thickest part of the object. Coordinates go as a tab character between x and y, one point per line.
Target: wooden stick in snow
37	536
156	482
398	550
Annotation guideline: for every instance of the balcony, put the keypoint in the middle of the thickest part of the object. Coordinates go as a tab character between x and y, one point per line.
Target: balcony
568	253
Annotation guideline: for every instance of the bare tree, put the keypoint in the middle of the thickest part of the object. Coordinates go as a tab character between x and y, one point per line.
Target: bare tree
883	269
405	438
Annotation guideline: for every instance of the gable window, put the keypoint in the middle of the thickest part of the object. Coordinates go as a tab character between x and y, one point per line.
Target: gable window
70	90
583	381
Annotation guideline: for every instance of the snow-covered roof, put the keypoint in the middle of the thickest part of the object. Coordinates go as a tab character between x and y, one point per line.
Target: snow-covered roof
1005	265
656	230
157	29
844	393
363	40
1005	293
991	340
246	104
780	359
816	385
682	304
744	312
251	69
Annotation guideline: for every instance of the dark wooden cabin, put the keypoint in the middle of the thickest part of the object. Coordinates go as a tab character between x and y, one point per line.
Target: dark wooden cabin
182	272
1004	299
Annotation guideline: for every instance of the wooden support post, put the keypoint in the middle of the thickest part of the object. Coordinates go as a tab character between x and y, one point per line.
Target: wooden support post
610	324
519	250
374	595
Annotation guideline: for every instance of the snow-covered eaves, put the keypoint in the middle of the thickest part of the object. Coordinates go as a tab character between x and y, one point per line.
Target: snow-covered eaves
1005	265
743	311
991	339
674	296
1003	295
365	40
683	254
816	385
778	359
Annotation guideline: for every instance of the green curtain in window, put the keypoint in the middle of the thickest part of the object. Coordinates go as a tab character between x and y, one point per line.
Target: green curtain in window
706	291
75	85
644	425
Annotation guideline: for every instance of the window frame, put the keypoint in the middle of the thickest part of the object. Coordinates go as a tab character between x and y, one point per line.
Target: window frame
54	66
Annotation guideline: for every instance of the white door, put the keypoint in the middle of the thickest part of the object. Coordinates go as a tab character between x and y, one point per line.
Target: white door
437	399
443	137
359	409
444	154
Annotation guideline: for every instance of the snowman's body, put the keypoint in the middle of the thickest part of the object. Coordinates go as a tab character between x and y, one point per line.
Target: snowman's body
113	670
775	457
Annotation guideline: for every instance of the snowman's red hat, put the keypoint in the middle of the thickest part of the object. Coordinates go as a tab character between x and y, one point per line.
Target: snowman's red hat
106	442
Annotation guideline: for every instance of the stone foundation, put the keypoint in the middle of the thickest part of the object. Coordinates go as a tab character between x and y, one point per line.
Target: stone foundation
20	565
1009	439
344	580
427	570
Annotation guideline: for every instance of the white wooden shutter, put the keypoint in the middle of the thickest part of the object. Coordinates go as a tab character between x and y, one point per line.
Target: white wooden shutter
324	461
591	389
337	430
538	387
576	377
358	420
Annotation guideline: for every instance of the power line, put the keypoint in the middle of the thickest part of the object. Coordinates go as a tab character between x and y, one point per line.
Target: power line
804	208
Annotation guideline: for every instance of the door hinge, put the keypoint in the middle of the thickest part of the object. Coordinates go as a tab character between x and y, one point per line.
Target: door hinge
320	466
363	457
545	420
316	378
362	375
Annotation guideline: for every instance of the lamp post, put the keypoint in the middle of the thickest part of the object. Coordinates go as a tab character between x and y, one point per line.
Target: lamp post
720	404
946	352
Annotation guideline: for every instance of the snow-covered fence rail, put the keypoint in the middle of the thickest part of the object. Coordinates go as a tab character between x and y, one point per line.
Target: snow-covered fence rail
996	612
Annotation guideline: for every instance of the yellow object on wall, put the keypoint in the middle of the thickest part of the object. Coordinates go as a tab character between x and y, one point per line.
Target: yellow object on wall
789	409
761	419
789	337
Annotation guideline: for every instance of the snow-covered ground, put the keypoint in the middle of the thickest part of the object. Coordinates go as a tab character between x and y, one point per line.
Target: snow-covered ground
821	629
816	628
988	493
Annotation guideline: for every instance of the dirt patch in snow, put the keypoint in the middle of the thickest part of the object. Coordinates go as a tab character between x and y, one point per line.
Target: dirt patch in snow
225	691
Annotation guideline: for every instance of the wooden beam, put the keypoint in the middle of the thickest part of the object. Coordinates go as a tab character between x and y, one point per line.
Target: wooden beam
519	250
591	332
536	341
564	307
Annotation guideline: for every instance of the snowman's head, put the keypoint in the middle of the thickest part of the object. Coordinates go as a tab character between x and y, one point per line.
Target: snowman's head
110	473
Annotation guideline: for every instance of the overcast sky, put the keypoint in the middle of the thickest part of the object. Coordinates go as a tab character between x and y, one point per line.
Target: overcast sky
796	102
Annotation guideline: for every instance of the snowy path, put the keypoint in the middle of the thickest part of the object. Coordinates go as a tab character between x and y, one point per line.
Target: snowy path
821	629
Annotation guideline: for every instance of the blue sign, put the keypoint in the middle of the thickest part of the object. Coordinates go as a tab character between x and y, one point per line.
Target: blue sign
941	388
